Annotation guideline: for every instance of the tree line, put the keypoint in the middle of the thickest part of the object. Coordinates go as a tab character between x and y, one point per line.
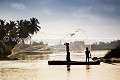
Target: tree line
105	45
13	32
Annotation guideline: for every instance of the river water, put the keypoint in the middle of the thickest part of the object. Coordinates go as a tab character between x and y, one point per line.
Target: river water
40	70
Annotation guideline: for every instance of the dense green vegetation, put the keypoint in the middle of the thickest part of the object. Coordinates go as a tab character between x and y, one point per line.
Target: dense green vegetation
13	32
4	50
114	53
105	45
113	46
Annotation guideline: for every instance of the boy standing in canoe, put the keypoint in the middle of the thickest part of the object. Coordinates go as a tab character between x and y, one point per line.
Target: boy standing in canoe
87	52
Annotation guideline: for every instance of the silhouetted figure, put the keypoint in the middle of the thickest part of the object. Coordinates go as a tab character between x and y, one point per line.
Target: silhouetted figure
68	53
68	56
87	52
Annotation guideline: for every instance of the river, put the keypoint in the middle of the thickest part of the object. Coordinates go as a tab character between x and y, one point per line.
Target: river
40	70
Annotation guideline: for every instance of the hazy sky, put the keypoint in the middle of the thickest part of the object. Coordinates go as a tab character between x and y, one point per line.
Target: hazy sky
99	18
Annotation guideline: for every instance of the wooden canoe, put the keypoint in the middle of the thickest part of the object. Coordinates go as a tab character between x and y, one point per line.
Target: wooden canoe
73	63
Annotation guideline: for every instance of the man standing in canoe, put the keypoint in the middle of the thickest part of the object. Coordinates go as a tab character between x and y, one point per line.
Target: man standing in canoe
68	53
87	52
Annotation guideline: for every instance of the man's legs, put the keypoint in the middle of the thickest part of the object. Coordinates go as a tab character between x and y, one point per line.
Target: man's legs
87	58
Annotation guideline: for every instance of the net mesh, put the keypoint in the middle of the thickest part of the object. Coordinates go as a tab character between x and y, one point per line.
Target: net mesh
47	43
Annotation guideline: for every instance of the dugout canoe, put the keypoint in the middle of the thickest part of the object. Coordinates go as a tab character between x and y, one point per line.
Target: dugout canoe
73	63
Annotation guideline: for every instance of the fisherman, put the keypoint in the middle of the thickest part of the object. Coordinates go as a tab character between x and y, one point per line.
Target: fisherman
68	53
87	52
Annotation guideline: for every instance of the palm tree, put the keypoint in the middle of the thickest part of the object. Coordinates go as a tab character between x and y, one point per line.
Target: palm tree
34	25
23	31
11	33
26	28
20	30
12	29
2	29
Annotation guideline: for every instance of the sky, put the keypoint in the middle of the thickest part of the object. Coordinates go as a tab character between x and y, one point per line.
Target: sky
98	19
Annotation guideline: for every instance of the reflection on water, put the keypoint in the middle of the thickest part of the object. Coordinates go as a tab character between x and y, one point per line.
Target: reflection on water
40	70
87	67
68	72
68	68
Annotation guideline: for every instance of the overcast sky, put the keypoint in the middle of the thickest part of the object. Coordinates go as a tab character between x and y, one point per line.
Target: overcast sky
100	19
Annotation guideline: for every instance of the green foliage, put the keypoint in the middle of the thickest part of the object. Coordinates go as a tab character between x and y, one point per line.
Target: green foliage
3	47
4	50
114	53
20	29
105	46
13	32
